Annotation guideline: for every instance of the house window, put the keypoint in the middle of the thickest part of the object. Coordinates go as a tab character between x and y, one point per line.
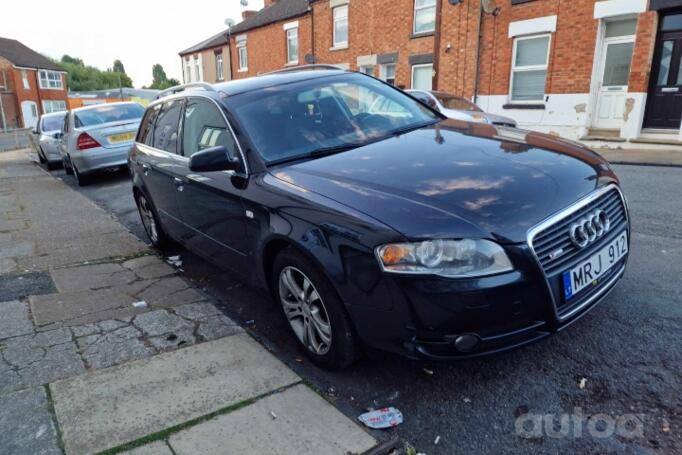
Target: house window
292	45
422	76
340	26
188	70
387	73
51	80
197	73
242	53
50	106
219	71
424	16
24	79
529	69
367	69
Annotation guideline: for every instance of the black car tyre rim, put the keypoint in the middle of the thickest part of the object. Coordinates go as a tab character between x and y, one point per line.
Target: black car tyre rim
305	310
148	219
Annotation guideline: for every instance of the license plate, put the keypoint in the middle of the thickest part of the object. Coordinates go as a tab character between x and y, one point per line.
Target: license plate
122	137
591	270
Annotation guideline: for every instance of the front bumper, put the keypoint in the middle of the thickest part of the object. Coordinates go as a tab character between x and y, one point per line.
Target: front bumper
100	158
428	317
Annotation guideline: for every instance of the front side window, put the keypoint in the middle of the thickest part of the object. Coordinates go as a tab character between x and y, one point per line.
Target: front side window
295	120
424	16
166	126
219	71
340	14
51	80
529	69
24	79
50	106
388	73
422	77
204	127
292	45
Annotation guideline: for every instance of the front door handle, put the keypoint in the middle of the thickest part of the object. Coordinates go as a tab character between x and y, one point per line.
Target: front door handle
179	184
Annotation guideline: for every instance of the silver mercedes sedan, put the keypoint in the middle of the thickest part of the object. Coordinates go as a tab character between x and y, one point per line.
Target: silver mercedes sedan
459	108
98	138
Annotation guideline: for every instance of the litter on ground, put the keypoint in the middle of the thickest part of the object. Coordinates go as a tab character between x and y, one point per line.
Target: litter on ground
382	418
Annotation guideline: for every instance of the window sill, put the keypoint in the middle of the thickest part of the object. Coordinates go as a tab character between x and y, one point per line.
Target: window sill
422	35
291	64
339	47
242	70
525	106
48	88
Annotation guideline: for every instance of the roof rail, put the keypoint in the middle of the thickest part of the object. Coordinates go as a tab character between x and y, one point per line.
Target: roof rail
321	66
181	88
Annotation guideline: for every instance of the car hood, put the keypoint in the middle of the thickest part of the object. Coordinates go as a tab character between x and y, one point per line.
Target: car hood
456	179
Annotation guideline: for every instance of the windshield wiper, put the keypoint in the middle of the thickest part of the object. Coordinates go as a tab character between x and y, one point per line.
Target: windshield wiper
409	128
318	153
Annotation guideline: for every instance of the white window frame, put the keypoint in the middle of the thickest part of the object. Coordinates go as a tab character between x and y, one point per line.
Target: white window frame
382	72
46	83
197	69
242	60
364	69
288	32
188	69
24	80
48	106
414	18
421	65
219	66
514	69
340	44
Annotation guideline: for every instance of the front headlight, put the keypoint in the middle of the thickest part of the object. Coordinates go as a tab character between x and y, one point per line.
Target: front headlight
449	258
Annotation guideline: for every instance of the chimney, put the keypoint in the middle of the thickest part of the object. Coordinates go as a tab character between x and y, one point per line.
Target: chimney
248	13
267	3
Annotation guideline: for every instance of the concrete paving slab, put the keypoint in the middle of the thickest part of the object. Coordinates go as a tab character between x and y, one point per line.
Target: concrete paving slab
27	426
110	407
14	319
93	276
15	286
304	423
155	448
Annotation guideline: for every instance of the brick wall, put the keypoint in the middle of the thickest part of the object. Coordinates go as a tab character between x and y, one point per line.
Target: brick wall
643	53
267	47
375	27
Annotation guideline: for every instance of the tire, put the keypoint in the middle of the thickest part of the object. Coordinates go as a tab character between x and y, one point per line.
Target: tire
50	166
81	179
317	315
150	221
41	158
67	166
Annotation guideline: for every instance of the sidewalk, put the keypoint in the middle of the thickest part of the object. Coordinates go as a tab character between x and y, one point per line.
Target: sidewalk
644	157
103	347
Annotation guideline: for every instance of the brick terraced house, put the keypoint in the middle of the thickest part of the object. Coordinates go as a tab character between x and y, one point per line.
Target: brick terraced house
607	69
30	85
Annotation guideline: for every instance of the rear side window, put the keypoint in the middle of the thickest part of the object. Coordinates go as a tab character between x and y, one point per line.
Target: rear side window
204	127
166	126
146	133
107	113
52	123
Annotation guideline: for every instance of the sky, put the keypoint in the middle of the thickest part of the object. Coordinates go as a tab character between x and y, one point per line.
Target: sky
140	33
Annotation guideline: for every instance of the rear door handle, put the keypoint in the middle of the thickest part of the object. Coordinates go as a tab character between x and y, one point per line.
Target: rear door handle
179	184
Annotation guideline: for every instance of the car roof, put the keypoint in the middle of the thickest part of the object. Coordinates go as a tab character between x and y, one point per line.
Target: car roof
54	114
237	86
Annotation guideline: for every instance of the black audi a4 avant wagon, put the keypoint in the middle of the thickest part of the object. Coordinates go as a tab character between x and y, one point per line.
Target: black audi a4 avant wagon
375	221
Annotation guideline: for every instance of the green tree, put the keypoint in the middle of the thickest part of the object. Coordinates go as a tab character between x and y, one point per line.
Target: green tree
82	77
118	67
159	79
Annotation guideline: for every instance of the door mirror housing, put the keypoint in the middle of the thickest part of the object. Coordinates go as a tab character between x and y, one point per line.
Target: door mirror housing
57	135
35	131
213	159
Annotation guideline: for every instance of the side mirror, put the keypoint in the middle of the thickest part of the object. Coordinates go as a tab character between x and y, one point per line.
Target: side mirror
57	135
35	131
213	159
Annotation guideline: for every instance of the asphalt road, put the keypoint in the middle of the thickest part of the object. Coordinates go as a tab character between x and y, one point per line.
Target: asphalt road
619	367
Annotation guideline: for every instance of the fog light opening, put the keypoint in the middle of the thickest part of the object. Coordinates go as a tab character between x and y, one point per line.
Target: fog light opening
467	342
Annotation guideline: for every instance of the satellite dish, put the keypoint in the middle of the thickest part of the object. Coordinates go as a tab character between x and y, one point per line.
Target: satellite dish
489	6
309	59
244	2
229	22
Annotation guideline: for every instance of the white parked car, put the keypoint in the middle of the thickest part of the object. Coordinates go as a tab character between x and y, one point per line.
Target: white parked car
459	108
99	137
47	134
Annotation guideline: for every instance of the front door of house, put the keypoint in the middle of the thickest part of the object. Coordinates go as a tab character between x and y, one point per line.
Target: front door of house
29	111
614	72
664	102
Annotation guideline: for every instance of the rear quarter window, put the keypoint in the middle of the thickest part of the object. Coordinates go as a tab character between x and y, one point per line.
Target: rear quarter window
145	133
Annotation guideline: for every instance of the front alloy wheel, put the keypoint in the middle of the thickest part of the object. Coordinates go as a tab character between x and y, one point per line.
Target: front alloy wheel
305	310
151	227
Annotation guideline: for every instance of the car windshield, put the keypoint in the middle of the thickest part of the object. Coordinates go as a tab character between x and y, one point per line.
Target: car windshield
107	113
53	123
456	102
326	115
